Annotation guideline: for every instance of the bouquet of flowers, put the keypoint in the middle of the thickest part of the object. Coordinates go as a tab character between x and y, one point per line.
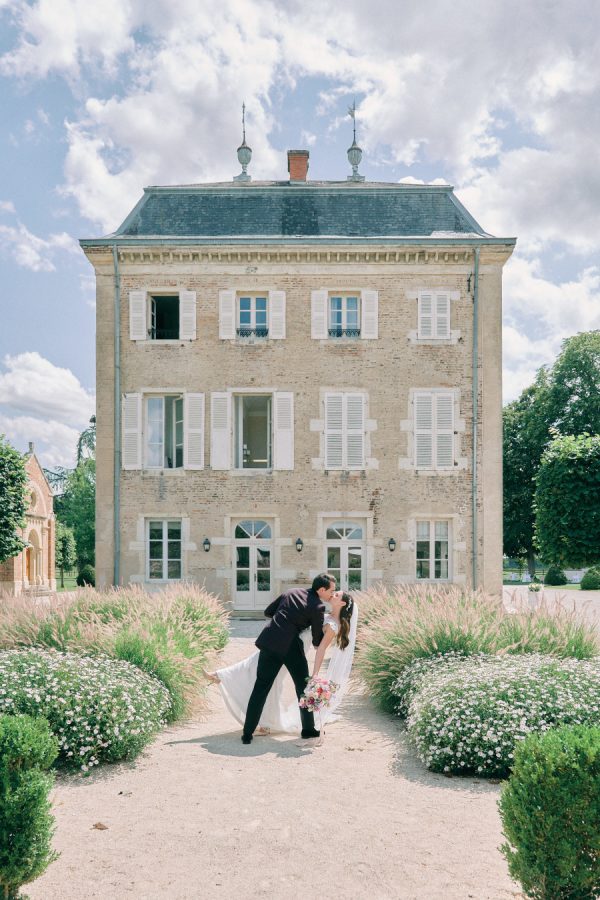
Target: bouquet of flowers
318	694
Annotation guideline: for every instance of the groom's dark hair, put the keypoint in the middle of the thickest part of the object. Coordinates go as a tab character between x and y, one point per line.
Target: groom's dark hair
322	581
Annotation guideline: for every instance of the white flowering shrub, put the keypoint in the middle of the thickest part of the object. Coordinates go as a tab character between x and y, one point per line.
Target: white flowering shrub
100	709
466	716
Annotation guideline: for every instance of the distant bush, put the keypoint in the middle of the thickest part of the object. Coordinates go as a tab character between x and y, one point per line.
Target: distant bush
171	634
86	577
100	709
466	716
423	621
555	576
591	580
27	750
550	811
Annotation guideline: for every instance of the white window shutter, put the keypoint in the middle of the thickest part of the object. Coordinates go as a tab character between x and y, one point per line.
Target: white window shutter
283	455
277	315
355	431
334	431
423	405
131	431
220	431
369	315
137	316
444	430
318	314
227	315
425	328
193	431
187	315
442	316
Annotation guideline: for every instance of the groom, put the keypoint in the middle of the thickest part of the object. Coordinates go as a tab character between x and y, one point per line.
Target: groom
280	645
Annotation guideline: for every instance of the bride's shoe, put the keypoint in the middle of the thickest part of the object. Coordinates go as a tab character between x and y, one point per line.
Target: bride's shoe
260	730
211	676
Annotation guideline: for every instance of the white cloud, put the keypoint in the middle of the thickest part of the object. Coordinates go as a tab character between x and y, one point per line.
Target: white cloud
31	385
27	249
55	443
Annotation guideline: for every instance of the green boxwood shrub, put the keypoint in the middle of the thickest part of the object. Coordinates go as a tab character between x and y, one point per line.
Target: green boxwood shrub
27	750
99	709
86	576
591	580
555	576
550	811
467	716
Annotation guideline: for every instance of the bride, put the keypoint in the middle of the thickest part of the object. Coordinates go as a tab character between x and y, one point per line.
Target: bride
279	714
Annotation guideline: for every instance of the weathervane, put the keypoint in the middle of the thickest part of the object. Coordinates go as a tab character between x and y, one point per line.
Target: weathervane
244	152
354	152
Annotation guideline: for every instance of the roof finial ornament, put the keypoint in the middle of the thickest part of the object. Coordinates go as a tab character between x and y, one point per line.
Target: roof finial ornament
354	152
244	152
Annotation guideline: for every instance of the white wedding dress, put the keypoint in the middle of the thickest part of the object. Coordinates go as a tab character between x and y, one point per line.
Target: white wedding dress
281	711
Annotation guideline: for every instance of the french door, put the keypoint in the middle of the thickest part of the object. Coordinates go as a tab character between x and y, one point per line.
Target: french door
346	554
252	564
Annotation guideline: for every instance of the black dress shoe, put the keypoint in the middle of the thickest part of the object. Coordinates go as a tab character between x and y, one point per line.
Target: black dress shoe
246	739
310	733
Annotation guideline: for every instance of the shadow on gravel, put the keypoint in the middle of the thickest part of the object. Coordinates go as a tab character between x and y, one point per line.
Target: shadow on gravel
229	744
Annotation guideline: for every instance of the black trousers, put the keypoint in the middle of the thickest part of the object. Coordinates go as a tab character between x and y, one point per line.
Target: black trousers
269	666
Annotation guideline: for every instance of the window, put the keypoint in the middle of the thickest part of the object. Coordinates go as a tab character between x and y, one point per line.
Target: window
433	539
252	439
434	315
344	316
434	429
164	432
252	318
164	549
164	318
155	316
344	431
346	554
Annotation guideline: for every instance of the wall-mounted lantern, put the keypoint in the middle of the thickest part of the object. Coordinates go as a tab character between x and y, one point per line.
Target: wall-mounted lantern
299	545
206	545
392	545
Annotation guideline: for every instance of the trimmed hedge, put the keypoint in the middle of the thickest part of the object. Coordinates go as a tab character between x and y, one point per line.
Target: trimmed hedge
550	811
591	580
555	576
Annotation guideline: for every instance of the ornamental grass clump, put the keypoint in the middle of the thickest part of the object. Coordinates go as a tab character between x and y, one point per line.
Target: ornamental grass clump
99	709
418	622
170	634
550	810
27	750
467	716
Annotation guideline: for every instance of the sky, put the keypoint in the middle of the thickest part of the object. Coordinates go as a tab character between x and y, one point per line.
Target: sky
101	99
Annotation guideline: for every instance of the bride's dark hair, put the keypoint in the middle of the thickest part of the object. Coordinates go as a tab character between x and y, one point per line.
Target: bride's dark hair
346	611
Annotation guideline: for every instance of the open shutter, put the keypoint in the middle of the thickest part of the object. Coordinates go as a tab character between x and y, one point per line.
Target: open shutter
277	315
220	431
334	431
187	315
137	316
369	315
131	431
318	314
355	431
193	431
442	316
227	315
283	455
425	315
423	404
444	430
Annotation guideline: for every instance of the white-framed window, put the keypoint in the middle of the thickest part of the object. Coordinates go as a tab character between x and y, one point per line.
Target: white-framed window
344	431
163	550
252	431
163	431
434	429
433	315
162	315
345	554
432	562
344	314
248	315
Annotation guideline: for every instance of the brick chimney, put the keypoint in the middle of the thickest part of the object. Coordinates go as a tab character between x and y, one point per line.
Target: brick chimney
298	164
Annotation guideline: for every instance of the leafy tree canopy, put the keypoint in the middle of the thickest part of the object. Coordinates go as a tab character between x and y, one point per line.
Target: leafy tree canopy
13	503
76	508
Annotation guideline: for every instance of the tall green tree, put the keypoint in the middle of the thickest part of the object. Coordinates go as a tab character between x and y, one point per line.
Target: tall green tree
76	507
13	503
572	402
65	555
86	445
567	501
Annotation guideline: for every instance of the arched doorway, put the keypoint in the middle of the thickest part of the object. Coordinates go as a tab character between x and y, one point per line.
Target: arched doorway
34	559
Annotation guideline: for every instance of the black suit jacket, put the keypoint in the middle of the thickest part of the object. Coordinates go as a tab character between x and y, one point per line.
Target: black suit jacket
291	613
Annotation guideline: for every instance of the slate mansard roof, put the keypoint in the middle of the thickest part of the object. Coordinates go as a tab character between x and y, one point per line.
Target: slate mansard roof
310	212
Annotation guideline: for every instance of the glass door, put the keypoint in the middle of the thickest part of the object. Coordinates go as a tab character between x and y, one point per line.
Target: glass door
252	563
346	555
